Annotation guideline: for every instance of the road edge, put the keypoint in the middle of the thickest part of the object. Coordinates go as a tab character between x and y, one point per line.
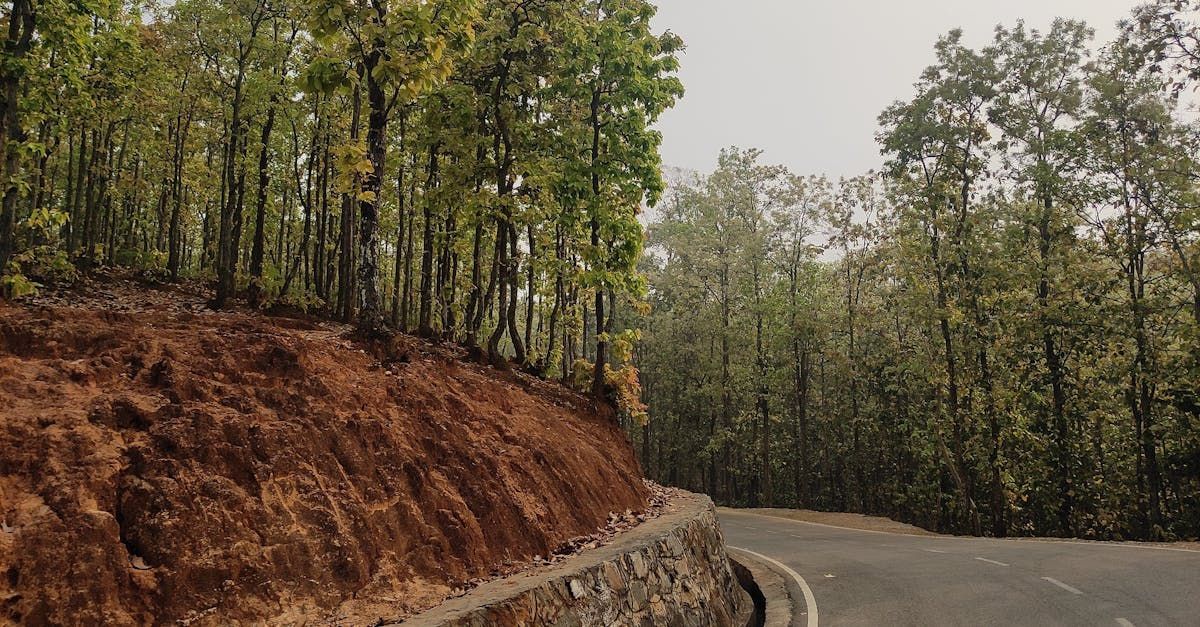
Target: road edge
1112	544
790	590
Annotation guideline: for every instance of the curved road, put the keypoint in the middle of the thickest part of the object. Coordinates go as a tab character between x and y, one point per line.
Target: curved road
876	578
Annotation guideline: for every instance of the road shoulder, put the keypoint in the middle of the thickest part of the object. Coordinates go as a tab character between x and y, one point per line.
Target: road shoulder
836	519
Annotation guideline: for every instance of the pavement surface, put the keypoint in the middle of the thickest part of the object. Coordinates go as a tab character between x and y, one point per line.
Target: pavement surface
856	577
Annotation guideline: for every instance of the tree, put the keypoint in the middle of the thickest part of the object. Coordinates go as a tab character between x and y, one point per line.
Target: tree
1040	96
22	21
624	73
937	147
401	49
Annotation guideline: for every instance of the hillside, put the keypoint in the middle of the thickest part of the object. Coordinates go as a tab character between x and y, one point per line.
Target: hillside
162	462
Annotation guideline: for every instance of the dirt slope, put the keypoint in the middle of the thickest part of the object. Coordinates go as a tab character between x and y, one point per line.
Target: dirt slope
160	462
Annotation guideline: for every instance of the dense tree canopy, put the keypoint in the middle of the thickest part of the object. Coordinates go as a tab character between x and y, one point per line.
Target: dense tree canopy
469	169
996	334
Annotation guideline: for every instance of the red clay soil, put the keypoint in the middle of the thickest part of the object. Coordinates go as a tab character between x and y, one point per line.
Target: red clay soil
160	462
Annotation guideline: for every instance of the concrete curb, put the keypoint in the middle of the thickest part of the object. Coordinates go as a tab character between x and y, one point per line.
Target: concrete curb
783	596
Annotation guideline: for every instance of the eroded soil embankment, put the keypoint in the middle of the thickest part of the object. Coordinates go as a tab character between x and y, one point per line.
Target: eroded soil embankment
160	462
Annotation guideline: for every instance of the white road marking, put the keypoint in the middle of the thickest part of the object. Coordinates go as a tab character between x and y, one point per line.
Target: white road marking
984	559
932	551
1063	585
1124	622
809	600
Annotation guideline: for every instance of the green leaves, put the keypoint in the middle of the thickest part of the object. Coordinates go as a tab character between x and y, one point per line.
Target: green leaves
407	45
325	74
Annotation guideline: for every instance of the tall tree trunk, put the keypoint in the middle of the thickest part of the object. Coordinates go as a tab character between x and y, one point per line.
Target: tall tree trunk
406	297
174	236
499	276
264	177
346	256
725	470
559	295
321	254
762	394
475	306
1140	396
425	316
599	382
21	25
1054	368
401	212
370	317
260	208
530	293
68	207
474	319
78	215
513	281
226	251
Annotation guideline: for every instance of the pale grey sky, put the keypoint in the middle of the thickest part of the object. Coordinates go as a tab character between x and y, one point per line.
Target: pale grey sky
805	80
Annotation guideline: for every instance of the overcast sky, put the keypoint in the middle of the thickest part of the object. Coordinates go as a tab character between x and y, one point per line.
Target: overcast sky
805	80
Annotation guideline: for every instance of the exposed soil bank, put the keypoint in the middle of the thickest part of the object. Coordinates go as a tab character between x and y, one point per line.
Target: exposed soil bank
160	462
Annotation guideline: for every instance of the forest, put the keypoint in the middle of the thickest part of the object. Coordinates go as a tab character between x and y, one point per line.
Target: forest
468	170
997	333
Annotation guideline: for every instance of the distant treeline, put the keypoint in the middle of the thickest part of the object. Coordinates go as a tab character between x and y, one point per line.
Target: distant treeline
998	334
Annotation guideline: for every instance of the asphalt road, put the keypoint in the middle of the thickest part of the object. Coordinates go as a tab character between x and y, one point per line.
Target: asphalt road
875	578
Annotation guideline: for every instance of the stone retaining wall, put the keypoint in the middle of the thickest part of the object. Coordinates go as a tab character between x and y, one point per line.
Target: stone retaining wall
672	570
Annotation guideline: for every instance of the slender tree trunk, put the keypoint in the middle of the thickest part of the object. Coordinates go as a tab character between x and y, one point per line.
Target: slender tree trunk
398	268
762	395
174	236
1054	368
724	471
68	196
599	382
475	307
499	275
425	321
513	280
260	208
530	294
78	215
406	297
226	251
1140	397
556	310
346	256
